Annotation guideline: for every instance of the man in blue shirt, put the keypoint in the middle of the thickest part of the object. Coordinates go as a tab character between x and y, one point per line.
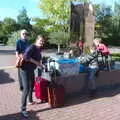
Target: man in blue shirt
21	46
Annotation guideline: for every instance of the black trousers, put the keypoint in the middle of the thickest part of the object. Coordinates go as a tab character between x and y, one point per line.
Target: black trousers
27	77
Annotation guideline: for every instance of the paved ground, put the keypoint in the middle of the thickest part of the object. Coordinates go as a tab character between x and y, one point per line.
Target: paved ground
105	106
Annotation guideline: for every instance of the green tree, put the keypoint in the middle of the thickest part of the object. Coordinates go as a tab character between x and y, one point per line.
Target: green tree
23	20
58	38
2	34
7	26
116	24
39	27
108	23
58	12
13	37
103	26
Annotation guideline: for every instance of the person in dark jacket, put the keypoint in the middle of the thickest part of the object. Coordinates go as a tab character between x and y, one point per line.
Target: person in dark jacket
21	46
92	61
32	57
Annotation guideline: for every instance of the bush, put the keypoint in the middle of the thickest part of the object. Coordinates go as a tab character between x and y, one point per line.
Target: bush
116	56
13	37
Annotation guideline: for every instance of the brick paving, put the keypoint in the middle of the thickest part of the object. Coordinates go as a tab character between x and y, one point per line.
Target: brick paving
106	106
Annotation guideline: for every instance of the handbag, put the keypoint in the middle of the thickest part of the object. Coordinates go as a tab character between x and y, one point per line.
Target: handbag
38	72
20	61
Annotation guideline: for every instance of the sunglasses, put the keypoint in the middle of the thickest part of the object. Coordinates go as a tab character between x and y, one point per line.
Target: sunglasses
25	34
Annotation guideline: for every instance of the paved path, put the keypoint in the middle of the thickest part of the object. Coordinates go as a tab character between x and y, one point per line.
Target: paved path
106	106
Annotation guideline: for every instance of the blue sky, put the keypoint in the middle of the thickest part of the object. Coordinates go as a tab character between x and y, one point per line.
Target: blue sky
107	2
11	8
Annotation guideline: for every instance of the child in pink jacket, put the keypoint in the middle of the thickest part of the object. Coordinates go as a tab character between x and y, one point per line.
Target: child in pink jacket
100	46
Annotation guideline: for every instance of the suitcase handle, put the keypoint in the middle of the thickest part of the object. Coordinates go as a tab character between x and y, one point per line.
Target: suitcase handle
54	70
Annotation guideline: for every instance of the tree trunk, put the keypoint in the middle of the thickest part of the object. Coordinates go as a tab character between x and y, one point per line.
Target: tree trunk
58	48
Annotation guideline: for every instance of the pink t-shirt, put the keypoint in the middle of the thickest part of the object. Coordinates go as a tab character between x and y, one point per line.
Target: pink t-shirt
103	48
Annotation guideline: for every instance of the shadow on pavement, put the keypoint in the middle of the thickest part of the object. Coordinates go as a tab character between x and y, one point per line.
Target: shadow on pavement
79	99
73	100
5	77
7	52
102	92
18	116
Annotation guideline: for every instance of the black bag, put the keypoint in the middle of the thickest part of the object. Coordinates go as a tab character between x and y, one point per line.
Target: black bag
38	72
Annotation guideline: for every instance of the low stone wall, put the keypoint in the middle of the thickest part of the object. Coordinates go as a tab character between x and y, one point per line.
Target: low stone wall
107	78
78	83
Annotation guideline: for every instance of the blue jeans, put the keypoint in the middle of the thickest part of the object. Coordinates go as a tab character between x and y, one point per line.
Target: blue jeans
28	84
92	78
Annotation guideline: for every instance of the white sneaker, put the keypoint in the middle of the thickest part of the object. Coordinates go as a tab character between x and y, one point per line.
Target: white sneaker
31	103
25	113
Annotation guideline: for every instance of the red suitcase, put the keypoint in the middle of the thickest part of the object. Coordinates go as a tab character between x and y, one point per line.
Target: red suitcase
40	88
56	95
